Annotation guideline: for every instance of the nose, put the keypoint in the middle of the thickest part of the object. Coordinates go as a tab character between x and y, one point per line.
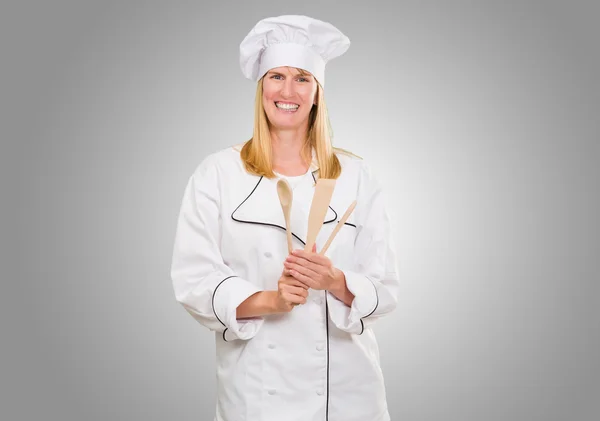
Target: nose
287	90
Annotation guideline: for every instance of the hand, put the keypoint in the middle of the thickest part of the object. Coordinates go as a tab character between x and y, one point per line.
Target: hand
314	271
290	293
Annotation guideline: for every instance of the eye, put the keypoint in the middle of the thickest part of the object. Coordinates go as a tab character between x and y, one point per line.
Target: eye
275	76
303	79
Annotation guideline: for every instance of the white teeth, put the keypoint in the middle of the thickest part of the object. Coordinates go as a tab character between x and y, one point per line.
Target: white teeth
286	106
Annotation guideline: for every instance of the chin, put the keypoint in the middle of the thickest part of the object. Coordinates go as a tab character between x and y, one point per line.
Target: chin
283	123
285	126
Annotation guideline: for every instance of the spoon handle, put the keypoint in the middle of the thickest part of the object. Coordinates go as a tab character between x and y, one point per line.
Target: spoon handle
338	227
284	191
288	232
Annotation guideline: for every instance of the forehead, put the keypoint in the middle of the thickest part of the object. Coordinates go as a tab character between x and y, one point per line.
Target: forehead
290	70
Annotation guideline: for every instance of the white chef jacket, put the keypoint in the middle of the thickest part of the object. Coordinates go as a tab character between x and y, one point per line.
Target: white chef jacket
319	362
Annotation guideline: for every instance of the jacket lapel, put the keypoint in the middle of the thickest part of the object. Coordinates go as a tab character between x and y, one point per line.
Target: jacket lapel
262	206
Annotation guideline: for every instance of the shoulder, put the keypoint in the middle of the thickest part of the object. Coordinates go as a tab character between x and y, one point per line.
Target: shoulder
346	155
350	161
225	160
359	169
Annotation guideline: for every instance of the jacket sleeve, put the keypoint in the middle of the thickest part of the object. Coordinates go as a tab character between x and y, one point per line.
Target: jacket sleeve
203	284
373	276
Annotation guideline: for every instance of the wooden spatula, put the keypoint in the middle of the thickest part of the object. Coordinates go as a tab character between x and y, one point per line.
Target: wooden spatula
338	227
318	210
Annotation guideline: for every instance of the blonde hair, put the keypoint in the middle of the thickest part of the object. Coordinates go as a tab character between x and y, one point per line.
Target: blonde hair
256	154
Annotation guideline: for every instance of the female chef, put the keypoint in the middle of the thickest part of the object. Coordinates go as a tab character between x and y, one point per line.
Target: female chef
293	330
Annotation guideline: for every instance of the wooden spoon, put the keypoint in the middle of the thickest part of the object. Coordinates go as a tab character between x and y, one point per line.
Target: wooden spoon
318	210
284	191
338	227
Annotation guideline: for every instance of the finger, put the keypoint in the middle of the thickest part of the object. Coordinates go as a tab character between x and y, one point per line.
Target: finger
293	298
299	291
312	257
304	279
290	280
315	267
303	270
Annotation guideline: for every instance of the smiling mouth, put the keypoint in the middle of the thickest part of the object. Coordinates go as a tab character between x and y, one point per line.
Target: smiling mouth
290	108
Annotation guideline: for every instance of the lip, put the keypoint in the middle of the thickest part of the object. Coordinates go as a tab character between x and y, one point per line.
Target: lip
287	103
286	111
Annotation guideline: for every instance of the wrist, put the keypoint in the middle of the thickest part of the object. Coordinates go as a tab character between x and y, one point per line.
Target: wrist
258	304
339	287
269	302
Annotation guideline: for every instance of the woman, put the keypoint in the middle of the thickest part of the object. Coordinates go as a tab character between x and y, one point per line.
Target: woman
293	331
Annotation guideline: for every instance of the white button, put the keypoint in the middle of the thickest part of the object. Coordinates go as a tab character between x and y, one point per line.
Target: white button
318	301
320	347
319	391
271	346
268	254
271	391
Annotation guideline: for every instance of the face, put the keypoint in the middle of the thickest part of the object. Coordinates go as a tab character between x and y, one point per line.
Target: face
288	97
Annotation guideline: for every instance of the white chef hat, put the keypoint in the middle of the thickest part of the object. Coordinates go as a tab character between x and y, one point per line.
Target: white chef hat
291	40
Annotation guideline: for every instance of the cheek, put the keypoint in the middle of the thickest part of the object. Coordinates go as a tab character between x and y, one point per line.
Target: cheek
266	97
309	95
267	93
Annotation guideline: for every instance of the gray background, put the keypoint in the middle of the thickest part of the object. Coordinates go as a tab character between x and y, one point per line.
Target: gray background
481	118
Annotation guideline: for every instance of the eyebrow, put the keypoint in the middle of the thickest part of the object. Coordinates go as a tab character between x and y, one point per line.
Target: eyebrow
281	74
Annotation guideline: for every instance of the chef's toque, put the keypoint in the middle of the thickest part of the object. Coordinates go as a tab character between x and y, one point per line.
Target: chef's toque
291	40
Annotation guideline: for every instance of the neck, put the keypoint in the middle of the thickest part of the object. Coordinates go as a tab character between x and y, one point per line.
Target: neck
287	147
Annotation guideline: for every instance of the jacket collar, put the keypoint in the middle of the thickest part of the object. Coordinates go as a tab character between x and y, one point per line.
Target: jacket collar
262	206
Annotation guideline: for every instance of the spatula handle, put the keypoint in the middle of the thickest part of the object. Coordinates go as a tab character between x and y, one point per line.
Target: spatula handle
338	227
